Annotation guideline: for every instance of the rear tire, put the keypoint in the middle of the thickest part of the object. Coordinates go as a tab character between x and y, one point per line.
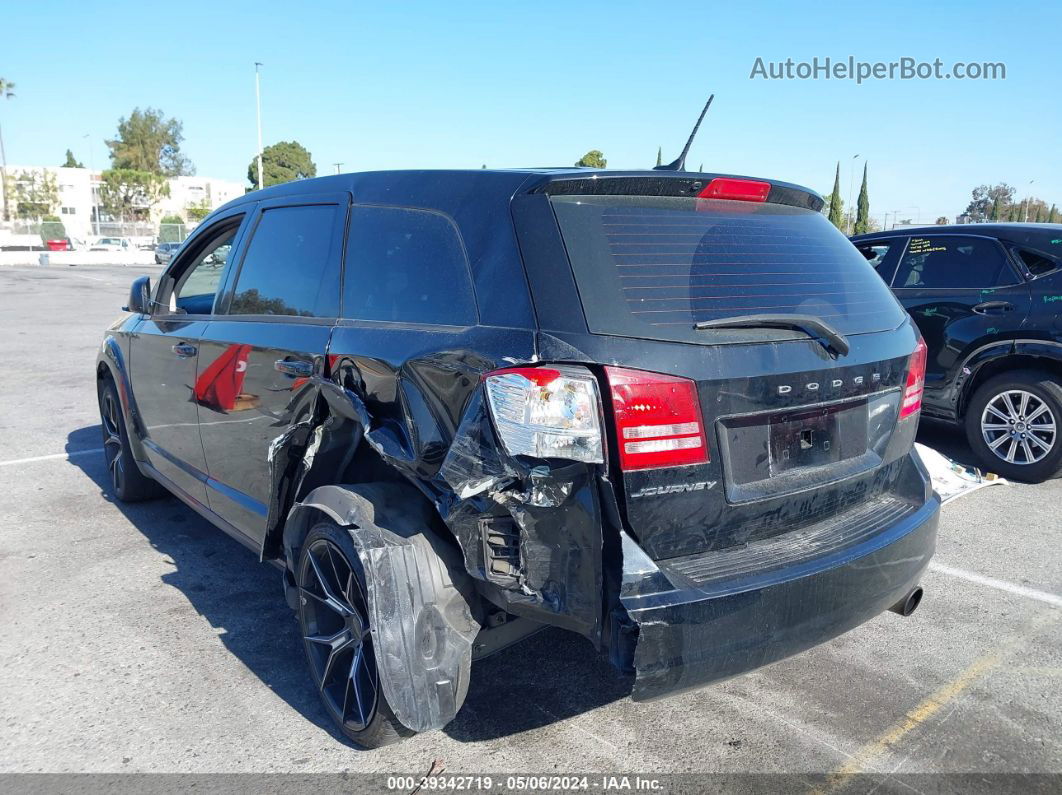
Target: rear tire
128	483
332	609
1012	424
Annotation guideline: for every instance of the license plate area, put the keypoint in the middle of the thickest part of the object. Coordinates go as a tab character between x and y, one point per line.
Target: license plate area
773	453
816	437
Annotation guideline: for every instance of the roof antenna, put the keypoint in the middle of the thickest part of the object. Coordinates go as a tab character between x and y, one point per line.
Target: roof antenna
680	163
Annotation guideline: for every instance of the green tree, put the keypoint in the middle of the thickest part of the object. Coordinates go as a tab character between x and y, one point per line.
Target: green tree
659	156
834	213
990	201
1052	217
33	193
863	206
592	159
129	194
71	161
149	142
941	220
284	161
7	91
52	228
171	228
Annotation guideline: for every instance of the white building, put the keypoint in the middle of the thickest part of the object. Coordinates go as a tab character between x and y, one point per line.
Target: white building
79	201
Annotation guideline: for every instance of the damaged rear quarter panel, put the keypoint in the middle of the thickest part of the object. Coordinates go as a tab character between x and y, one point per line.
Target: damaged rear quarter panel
406	403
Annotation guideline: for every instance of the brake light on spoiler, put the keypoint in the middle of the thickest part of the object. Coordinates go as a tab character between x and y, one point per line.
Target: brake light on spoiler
742	190
658	419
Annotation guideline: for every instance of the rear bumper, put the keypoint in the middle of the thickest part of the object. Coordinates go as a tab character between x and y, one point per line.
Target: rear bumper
694	633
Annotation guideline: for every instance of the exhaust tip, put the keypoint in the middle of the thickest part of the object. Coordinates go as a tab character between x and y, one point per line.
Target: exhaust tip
909	603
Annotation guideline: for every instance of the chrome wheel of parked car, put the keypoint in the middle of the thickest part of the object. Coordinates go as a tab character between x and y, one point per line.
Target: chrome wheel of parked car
335	629
1018	427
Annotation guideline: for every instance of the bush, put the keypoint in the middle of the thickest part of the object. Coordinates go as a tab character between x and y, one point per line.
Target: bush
52	229
171	229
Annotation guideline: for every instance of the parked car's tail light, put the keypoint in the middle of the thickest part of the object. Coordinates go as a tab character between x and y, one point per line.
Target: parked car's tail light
547	412
916	379
742	190
658	419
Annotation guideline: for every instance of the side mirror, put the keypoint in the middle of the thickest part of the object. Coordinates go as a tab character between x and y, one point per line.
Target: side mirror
139	296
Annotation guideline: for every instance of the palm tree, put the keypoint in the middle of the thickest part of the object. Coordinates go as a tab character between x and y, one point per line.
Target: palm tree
7	91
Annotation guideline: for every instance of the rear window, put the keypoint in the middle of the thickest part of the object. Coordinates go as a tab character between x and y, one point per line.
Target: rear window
654	266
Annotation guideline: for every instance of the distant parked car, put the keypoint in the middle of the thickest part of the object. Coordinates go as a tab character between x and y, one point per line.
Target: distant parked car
988	301
112	244
165	251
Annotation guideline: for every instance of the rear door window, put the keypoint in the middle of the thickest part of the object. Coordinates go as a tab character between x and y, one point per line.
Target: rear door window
653	266
406	265
292	264
953	262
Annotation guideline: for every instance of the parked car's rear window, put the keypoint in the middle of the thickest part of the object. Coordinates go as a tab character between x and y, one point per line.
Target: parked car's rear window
654	266
408	266
290	267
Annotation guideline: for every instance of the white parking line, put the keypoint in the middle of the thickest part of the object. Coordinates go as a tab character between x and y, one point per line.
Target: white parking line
1001	585
52	457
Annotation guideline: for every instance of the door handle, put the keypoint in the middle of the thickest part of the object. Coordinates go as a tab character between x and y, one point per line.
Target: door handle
993	307
184	350
294	367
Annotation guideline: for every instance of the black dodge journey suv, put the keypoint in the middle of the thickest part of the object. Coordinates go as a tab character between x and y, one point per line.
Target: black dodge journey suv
672	412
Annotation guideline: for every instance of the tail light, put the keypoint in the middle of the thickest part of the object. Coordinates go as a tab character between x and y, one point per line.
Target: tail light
547	412
658	420
916	380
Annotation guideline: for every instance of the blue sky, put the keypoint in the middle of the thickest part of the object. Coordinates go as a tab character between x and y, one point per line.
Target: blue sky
439	85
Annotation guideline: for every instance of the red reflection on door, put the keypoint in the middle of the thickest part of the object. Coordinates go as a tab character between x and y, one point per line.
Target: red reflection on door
220	385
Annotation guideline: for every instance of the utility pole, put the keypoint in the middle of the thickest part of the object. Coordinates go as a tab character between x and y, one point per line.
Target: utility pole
258	103
93	190
1026	202
338	166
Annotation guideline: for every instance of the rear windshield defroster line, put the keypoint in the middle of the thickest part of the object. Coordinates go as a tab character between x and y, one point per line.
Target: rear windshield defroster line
653	267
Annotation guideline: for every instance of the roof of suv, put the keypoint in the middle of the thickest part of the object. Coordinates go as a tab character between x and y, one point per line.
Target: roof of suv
499	179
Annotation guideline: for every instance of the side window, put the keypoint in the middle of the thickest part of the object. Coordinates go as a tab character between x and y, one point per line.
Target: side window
953	262
198	283
1038	264
406	265
881	254
291	266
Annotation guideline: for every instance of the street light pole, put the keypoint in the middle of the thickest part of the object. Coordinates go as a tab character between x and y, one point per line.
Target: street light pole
258	103
92	191
1026	202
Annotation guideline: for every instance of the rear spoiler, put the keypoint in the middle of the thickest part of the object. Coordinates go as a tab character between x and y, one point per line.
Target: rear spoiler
665	184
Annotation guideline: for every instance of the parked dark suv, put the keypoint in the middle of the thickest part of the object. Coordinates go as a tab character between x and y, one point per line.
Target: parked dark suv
988	300
671	412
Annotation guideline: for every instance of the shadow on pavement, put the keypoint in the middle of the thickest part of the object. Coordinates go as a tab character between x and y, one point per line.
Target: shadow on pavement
947	439
549	677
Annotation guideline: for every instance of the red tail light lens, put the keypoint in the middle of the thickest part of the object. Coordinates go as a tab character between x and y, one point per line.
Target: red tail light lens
916	380
658	420
742	190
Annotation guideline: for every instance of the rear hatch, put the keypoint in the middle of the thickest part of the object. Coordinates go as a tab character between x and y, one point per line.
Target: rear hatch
787	430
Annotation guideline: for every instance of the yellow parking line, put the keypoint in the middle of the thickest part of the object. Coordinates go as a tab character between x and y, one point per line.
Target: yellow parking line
929	707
